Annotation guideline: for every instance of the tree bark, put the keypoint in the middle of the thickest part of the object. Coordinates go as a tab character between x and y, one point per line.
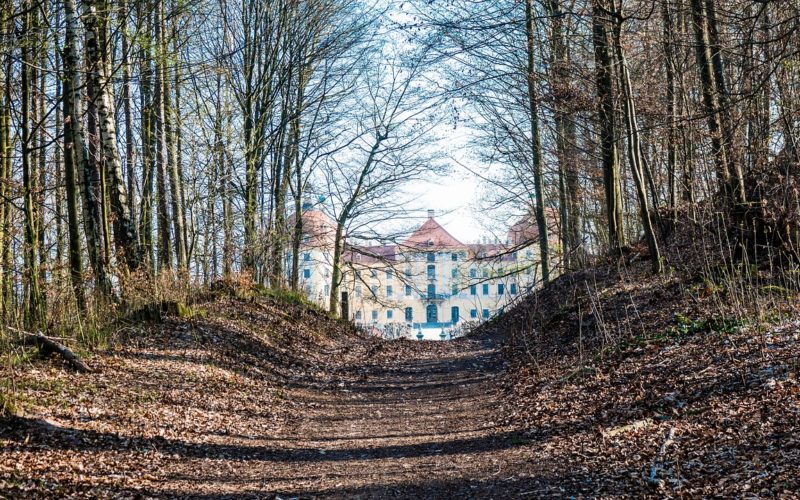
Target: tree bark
127	105
607	129
148	134
634	143
5	171
536	143
125	232
172	132
70	158
35	306
711	77
162	155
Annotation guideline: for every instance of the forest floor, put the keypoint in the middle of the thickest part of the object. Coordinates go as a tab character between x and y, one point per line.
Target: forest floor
259	399
216	408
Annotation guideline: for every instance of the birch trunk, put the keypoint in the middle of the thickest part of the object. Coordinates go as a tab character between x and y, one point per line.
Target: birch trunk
125	233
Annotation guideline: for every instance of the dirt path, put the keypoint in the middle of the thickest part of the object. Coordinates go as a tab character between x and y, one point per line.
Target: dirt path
407	420
415	422
400	419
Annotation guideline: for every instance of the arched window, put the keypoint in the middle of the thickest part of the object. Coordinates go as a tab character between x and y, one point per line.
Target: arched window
431	272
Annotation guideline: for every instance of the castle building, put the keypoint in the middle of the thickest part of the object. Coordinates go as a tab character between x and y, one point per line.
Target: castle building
429	280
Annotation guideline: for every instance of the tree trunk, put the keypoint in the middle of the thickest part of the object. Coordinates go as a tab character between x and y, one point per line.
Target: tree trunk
91	204
672	103
566	139
127	105
607	130
148	133
5	172
5	183
125	233
35	307
171	117
164	247
634	144
344	216
70	158
711	76
536	143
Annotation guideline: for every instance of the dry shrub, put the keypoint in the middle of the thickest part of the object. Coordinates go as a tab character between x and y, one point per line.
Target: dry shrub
712	282
775	219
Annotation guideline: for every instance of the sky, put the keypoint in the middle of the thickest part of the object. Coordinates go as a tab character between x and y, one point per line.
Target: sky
454	197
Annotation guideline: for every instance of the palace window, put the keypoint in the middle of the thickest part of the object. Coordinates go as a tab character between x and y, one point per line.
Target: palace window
408	290
431	291
486	288
473	273
306	256
501	288
306	273
431	272
388	274
455	257
473	313
388	290
374	290
485	272
454	273
454	290
358	290
358	314
408	273
431	257
473	289
512	288
409	314
389	314
374	314
485	313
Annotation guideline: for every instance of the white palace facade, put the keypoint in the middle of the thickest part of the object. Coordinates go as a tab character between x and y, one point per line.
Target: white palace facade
429	280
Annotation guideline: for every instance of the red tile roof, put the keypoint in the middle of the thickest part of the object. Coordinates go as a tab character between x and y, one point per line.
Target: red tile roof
356	254
318	227
431	235
526	230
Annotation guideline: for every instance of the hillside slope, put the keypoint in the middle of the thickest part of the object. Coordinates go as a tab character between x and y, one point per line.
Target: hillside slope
160	389
682	384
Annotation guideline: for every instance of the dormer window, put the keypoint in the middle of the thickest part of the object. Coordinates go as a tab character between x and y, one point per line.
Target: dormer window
430	243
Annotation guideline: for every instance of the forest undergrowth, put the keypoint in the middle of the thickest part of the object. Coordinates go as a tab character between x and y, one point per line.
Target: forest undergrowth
680	383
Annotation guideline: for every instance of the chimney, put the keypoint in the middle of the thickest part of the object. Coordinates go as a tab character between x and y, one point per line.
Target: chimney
430	213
